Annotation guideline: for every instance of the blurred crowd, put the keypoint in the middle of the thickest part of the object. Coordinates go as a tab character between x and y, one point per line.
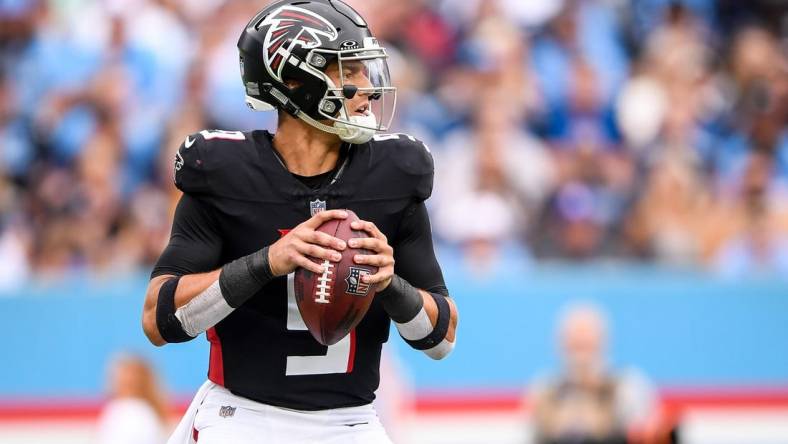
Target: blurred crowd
648	130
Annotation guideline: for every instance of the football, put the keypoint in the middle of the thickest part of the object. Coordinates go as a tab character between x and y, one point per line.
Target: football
334	302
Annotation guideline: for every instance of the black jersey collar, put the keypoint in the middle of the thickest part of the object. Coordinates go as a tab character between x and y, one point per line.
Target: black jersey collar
348	172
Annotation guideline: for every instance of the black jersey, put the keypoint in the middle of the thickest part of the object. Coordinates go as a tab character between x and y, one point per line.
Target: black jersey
239	197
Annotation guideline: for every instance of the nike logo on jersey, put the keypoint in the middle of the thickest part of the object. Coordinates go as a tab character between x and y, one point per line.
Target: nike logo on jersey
189	142
355	424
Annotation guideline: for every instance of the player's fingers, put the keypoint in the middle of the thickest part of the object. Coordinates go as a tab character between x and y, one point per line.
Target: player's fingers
305	262
378	260
369	227
323	216
370	243
323	239
378	277
317	252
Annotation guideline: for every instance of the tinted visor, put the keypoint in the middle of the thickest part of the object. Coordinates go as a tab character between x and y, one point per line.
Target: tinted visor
365	73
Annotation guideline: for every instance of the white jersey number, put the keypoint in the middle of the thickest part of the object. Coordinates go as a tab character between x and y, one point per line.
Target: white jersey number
397	136
338	357
392	136
222	134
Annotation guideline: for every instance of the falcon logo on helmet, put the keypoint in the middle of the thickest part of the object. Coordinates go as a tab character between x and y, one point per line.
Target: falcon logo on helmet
294	56
296	25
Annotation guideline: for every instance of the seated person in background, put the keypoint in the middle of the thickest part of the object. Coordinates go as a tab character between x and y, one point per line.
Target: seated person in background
137	411
587	402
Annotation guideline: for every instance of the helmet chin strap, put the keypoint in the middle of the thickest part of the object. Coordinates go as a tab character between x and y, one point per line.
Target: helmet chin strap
348	133
357	134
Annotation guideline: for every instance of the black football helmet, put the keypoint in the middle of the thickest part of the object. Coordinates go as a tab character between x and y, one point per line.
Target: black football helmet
285	51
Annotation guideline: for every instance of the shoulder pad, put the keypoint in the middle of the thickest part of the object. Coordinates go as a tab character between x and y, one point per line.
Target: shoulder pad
410	156
206	160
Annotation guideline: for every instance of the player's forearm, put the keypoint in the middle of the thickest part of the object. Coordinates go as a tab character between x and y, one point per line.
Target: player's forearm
192	285
189	287
432	311
426	321
179	308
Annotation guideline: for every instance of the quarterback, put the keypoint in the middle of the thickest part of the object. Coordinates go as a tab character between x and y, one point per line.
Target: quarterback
248	218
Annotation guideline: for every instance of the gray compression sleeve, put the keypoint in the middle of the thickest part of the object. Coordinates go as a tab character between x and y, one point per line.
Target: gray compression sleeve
401	300
240	279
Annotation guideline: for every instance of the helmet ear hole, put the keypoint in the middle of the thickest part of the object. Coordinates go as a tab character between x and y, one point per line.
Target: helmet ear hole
292	83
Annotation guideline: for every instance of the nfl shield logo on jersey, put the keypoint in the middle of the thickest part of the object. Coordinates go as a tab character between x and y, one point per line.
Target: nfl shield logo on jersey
317	206
178	161
354	284
226	411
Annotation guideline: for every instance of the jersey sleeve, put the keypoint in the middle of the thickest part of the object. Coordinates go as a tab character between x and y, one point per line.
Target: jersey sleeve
414	254
415	159
407	163
189	172
195	244
218	163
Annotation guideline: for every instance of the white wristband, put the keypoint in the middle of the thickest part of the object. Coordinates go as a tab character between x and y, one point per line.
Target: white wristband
441	350
204	311
417	328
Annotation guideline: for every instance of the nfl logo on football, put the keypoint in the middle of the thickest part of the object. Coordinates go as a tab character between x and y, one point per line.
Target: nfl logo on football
354	284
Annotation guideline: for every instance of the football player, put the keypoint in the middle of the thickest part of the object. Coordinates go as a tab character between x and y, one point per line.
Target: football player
251	204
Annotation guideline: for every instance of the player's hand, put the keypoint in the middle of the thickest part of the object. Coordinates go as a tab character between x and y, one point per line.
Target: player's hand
295	248
383	256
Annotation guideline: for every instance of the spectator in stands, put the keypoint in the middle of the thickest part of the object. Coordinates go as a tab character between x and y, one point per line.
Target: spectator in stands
756	112
673	221
595	178
758	244
137	412
492	183
13	252
587	401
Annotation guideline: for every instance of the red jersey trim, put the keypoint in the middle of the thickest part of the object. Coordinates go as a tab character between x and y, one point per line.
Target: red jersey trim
215	362
352	355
